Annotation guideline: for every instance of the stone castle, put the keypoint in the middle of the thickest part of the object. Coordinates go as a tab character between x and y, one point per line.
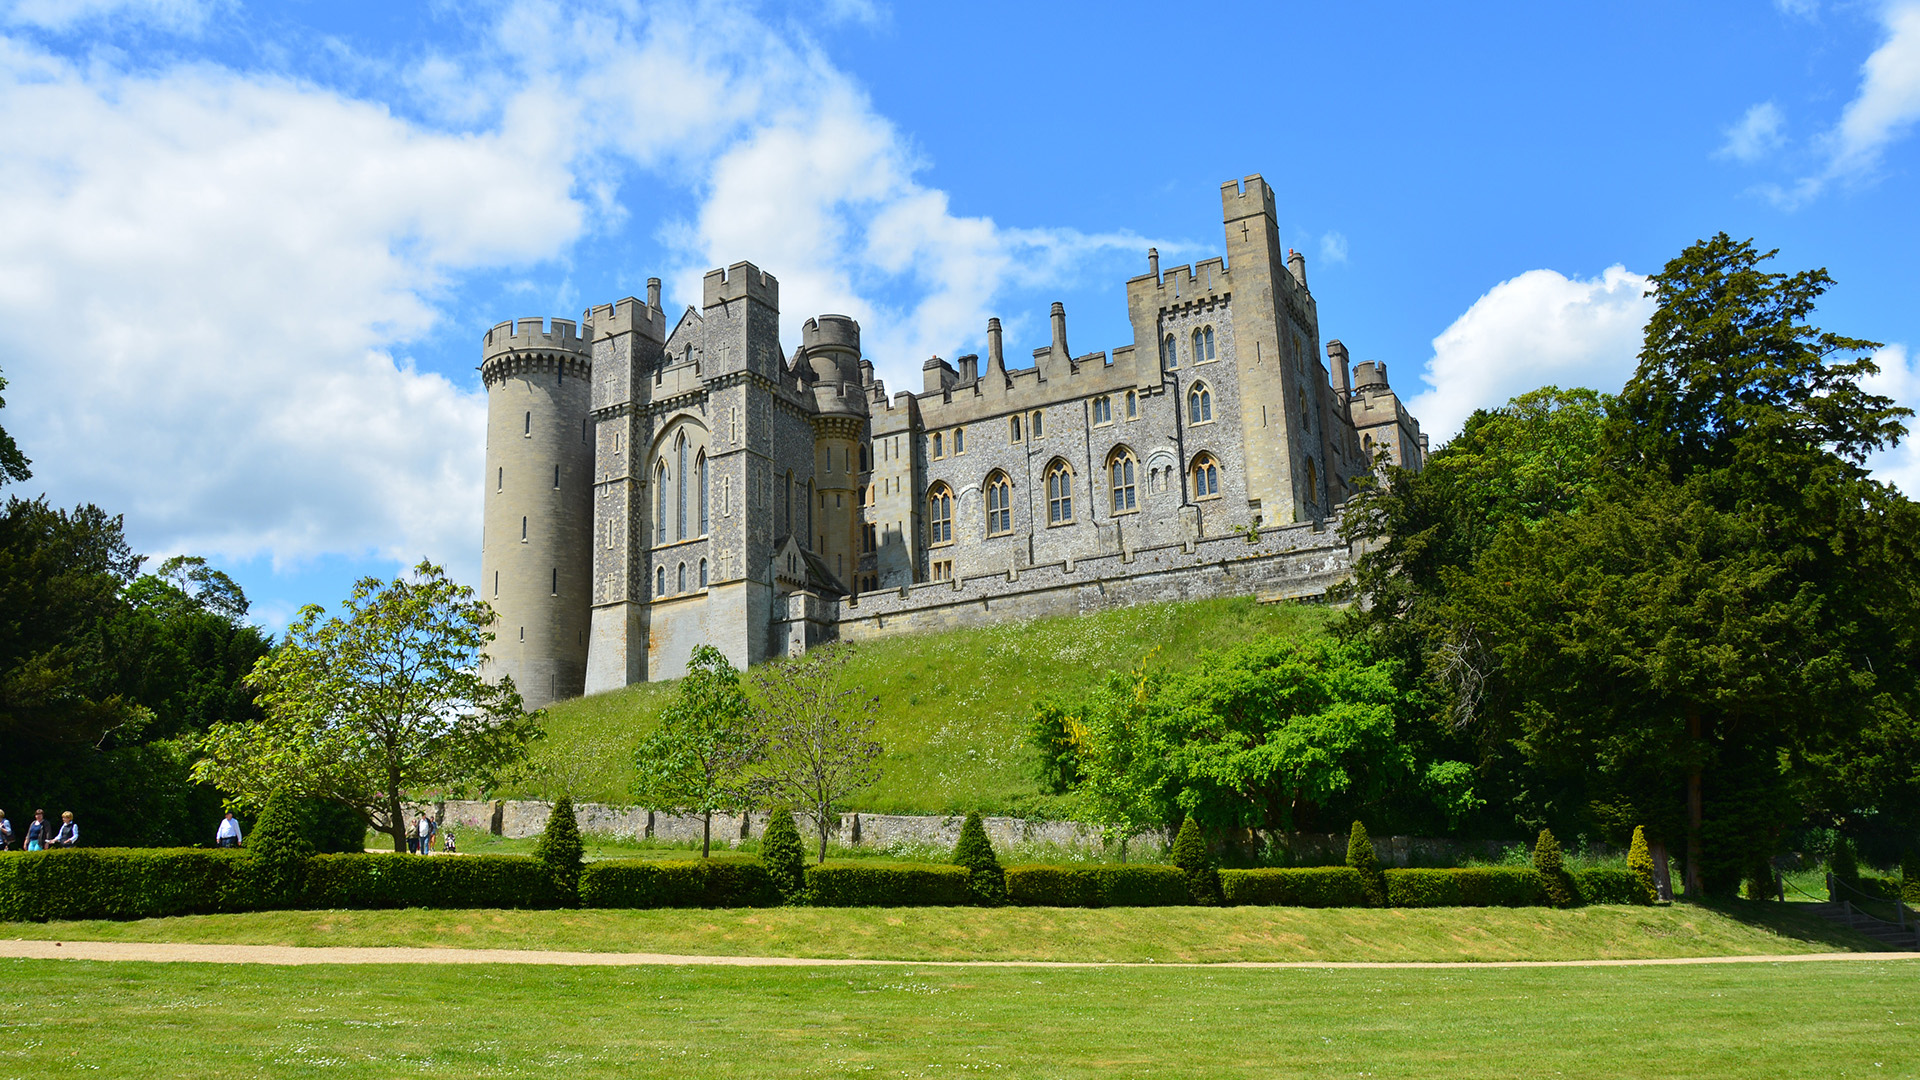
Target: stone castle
653	487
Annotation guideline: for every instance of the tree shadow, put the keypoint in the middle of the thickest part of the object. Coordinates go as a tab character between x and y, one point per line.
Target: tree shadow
1792	921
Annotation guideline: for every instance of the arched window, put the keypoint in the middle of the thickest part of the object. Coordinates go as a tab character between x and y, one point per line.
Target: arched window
1169	354
683	578
866	462
1313	482
1366	444
659	581
959	440
1199	404
940	515
999	504
939	445
703	573
1036	431
680	495
1059	493
1206	477
1304	416
660	502
703	492
1120	475
1103	410
1203	345
1013	428
1133	404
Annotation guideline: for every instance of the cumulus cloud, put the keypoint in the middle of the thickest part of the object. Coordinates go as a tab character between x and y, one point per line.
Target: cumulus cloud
1899	379
1881	113
1540	328
1756	135
1333	247
62	15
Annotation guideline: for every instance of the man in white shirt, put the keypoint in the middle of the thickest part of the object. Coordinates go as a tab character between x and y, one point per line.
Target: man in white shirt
426	835
229	834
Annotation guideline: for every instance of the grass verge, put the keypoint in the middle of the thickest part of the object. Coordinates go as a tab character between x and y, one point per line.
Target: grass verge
1106	935
216	1022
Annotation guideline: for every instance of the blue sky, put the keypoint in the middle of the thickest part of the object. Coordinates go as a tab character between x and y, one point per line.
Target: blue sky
248	250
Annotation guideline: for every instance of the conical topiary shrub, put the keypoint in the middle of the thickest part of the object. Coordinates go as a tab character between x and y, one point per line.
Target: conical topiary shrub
1552	868
1759	885
1640	864
1360	856
1844	865
784	856
559	850
277	855
1190	854
975	852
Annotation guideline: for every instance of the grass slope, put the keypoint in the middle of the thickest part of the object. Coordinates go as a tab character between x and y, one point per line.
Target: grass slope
215	1022
1205	935
954	706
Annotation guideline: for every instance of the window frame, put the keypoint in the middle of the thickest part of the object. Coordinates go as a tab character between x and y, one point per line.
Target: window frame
1121	459
1199	404
939	515
998	489
1208	466
1059	493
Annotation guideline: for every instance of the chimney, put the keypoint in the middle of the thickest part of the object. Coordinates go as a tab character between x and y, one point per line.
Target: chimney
970	368
996	360
1297	263
653	293
1337	358
1153	264
1060	331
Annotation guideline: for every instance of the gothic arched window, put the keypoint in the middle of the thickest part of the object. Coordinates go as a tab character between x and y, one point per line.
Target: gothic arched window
1203	345
1120	476
1199	404
999	504
680	495
683	578
660	581
1169	354
1206	477
660	502
702	466
1059	493
940	515
703	573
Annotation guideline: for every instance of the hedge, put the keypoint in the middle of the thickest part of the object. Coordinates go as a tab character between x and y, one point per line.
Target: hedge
717	882
394	881
1601	886
120	883
858	884
1097	885
1477	886
1314	886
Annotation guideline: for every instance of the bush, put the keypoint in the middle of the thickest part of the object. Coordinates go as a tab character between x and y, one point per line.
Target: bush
780	852
121	883
859	884
1476	886
1843	864
1097	885
975	852
559	848
1910	876
277	855
1552	868
1191	856
334	829
1317	886
1640	865
372	882
722	881
1760	881
1602	885
1360	857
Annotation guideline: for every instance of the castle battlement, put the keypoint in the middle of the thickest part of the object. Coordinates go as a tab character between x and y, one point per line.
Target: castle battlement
533	335
626	316
741	281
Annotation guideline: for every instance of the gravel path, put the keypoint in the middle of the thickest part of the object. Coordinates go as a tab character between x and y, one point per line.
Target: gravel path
291	954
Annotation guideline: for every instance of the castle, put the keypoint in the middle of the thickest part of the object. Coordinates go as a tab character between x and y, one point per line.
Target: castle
650	488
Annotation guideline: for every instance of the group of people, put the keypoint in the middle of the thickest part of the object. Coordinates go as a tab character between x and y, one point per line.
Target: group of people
421	837
41	833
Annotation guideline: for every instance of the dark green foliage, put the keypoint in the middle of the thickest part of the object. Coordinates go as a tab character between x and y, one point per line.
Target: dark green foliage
277	854
1360	857
783	855
397	881
1603	885
975	852
1478	886
13	463
1843	864
858	884
1552	868
1190	854
1097	885
559	848
333	828
1314	886
121	883
1910	876
1640	865
1760	881
723	881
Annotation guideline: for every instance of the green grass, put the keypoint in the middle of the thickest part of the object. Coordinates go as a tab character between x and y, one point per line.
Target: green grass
1107	935
954	706
211	1022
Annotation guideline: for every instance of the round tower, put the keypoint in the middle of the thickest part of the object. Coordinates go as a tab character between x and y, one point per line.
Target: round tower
832	347
536	553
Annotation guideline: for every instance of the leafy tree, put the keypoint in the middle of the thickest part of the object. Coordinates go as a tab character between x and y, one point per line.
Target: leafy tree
817	727
784	857
362	709
1361	857
559	849
696	761
974	851
1190	854
13	464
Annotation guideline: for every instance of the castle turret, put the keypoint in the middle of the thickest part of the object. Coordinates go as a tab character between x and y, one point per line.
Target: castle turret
535	561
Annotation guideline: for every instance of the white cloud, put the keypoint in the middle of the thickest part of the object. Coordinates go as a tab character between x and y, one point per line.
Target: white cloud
1540	328
1883	112
1756	135
61	15
1333	247
1899	379
1805	9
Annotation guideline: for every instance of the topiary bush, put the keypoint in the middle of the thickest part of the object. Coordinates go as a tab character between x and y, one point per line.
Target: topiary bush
1474	886
784	856
1097	885
1360	857
719	881
975	852
559	849
859	884
1844	865
1190	854
277	855
1312	886
1552	868
1640	865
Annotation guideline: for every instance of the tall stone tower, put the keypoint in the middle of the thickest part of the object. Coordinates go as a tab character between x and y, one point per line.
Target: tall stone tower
536	551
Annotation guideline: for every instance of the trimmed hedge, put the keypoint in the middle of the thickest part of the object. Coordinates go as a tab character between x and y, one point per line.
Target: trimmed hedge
1097	885
717	882
1477	886
121	883
1312	886
370	882
857	884
1602	886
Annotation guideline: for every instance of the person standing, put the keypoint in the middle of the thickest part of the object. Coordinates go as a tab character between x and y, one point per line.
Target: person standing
229	834
425	831
37	831
6	831
69	833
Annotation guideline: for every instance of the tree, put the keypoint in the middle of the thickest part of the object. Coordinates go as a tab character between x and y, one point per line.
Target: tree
696	761
818	751
1640	865
783	856
277	854
13	464
1190	854
1361	857
559	850
1552	868
974	851
361	710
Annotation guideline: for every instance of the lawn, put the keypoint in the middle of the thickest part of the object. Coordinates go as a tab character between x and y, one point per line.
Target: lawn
954	705
1736	928
137	1020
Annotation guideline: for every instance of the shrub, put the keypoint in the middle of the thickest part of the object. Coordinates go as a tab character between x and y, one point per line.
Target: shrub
1843	864
721	881
333	828
1640	865
121	883
1603	885
1910	876
1552	868
1760	885
859	884
780	852
1476	886
559	848
1190	854
975	852
1096	885
1360	857
277	855
468	881
1317	886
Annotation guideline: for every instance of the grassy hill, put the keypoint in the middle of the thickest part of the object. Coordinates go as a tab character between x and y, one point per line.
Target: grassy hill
954	706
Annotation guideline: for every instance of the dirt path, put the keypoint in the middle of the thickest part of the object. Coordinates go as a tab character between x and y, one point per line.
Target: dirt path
291	954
